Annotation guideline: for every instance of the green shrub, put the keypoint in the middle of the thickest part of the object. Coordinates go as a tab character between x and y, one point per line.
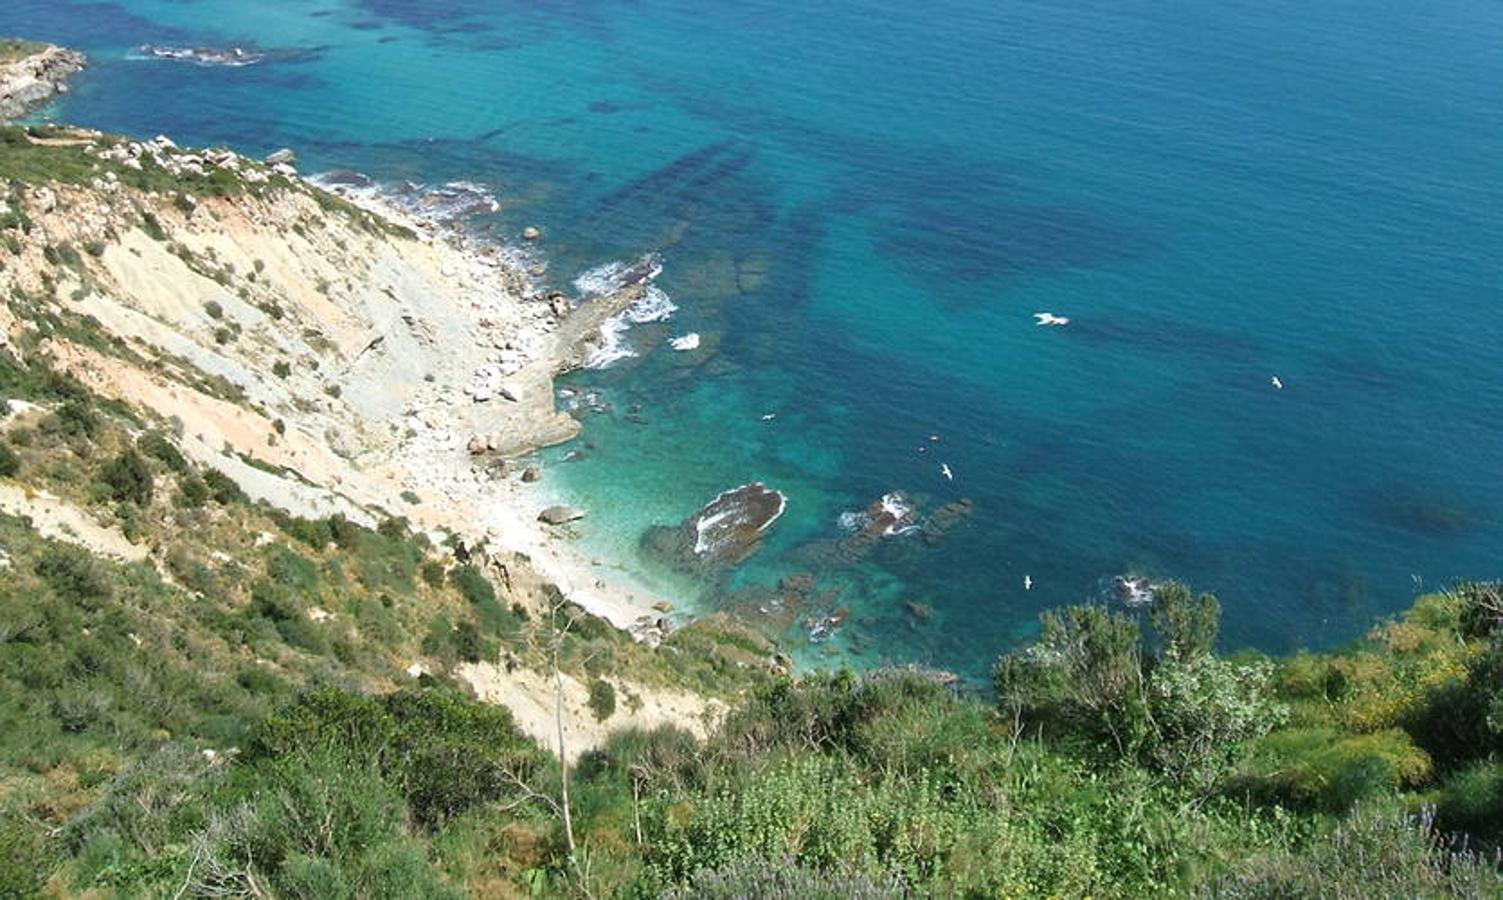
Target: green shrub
1186	626
1084	675
476	588
1324	769
192	493
223	488
214	309
1471	801
433	573
441	751
158	447
74	418
602	699
126	479
1204	711
10	461
72	573
153	227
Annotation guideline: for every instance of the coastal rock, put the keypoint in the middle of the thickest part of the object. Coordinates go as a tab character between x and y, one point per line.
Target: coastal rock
559	515
281	157
531	474
45	199
531	233
477	445
1133	590
33	79
724	533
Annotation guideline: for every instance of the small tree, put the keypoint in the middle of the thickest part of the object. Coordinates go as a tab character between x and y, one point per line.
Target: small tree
1085	672
1187	626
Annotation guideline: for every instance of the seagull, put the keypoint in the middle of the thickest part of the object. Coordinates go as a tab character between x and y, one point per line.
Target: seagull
1049	318
1027	582
1277	384
944	469
769	417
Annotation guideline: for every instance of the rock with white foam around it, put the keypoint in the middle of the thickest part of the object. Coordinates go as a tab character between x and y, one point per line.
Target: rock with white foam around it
724	533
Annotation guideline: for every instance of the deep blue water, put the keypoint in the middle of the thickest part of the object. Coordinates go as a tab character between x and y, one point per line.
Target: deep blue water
861	206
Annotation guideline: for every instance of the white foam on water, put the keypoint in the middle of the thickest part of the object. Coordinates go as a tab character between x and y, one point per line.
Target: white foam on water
611	347
655	306
451	201
689	341
853	520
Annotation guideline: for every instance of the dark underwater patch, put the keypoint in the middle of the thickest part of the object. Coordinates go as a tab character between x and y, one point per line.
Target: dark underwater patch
1412	508
966	242
1144	330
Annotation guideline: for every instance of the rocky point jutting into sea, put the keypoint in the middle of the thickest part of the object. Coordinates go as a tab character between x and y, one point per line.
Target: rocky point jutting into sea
33	73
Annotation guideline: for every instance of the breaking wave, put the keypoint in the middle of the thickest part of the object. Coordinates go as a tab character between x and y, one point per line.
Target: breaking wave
655	306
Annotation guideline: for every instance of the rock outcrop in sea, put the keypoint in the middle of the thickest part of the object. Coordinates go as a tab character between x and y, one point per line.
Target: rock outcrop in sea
723	534
34	74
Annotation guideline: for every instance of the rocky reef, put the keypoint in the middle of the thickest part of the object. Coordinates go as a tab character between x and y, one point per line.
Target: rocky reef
31	74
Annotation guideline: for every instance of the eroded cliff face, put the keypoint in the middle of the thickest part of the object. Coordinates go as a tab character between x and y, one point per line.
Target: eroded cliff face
32	74
327	359
275	319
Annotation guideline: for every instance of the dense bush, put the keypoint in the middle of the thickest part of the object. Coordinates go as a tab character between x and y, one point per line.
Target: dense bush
10	462
602	698
126	479
442	752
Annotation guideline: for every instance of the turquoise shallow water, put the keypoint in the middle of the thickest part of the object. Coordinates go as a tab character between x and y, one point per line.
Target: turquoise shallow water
860	207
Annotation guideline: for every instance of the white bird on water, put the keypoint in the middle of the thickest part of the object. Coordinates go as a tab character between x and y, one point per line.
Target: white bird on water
1049	318
1027	582
1277	384
769	417
944	469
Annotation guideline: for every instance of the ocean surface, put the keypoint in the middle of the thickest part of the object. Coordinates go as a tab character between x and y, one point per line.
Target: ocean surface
861	204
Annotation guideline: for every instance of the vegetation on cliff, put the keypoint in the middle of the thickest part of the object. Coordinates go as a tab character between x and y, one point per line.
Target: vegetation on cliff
237	723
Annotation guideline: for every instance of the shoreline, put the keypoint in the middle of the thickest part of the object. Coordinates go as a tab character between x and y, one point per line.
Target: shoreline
503	511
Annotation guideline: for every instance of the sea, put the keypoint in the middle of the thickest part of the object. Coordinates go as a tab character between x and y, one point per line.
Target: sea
860	206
